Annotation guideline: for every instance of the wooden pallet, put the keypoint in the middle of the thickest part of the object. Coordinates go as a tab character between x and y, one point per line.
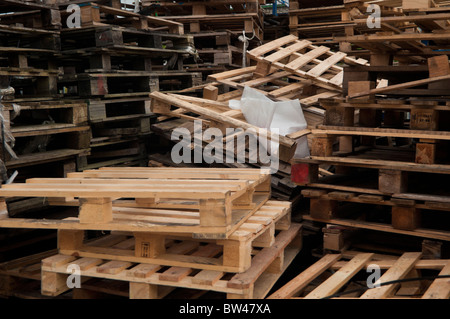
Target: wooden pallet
35	15
97	14
218	115
120	39
146	280
20	278
302	58
34	126
235	16
106	110
338	285
222	199
273	86
169	249
411	217
218	49
128	84
392	175
390	113
116	151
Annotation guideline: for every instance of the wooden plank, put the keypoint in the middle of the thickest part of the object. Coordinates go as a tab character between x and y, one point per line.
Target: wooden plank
305	278
340	278
325	65
270	46
266	256
401	86
306	58
400	270
285	52
440	288
218	117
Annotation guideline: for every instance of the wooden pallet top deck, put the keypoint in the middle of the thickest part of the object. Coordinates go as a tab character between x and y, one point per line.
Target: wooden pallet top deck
299	54
210	202
178	188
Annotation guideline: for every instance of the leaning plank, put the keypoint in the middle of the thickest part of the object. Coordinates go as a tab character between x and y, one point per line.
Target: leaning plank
304	279
440	288
399	271
396	87
340	278
218	117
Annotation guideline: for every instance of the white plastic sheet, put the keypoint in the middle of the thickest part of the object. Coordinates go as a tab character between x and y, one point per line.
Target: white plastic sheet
286	117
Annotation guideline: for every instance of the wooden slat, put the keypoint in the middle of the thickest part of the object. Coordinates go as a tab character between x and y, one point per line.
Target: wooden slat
270	46
285	52
399	271
340	278
305	278
306	58
325	65
440	288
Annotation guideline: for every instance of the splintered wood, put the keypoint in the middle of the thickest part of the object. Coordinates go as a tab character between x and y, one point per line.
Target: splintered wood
388	286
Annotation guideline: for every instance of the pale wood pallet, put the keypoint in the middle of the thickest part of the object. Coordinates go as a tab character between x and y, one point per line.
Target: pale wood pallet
407	266
148	281
181	250
207	202
302	58
283	90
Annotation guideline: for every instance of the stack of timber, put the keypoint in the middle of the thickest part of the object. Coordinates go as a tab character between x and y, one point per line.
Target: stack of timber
276	20
287	69
213	114
221	234
389	157
222	30
237	15
410	31
38	127
112	62
335	276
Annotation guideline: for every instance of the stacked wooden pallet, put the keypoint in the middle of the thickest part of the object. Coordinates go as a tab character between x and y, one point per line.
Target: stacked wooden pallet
37	127
221	234
114	69
112	61
411	31
218	28
387	152
286	69
276	20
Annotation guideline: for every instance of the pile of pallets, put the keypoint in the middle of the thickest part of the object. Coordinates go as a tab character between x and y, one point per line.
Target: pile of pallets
222	233
38	127
218	29
388	154
81	92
